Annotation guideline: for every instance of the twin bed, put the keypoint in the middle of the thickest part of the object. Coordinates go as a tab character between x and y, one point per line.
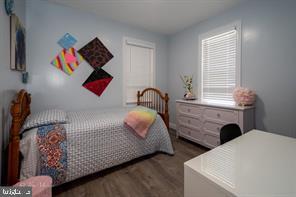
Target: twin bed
94	140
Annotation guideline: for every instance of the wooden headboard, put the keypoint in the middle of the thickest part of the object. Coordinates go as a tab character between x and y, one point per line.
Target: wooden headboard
155	99
20	110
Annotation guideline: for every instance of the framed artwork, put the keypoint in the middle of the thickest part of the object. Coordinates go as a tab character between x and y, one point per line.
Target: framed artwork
9	7
17	44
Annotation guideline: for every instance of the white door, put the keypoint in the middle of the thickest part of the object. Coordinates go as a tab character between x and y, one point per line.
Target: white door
138	68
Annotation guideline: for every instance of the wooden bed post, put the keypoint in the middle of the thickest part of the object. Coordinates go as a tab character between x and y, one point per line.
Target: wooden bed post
13	147
166	112
138	97
155	99
19	110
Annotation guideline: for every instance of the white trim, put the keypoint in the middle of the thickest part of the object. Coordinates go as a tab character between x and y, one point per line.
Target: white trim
173	126
231	26
140	43
234	25
238	27
124	64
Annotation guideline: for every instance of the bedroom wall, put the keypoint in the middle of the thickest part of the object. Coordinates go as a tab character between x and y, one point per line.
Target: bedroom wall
51	88
268	59
10	81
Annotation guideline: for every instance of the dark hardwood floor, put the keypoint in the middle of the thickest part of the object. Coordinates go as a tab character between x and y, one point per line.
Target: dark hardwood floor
155	175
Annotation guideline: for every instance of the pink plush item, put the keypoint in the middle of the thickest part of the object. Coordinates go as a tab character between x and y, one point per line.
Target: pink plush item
41	185
140	119
244	96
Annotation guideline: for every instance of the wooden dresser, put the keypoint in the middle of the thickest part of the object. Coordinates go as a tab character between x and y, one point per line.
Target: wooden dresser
201	122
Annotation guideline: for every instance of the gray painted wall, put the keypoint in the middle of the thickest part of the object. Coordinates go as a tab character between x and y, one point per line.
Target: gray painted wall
46	23
268	59
10	81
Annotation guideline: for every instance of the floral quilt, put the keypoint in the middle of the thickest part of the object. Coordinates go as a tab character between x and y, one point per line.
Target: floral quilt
52	145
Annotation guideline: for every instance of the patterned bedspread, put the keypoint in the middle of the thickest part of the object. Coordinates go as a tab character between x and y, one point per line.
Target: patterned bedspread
52	146
97	140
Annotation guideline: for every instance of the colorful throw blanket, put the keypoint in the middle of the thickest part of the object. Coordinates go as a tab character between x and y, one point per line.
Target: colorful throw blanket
52	144
140	119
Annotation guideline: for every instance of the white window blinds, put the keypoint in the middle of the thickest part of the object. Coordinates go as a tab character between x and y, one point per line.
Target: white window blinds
139	69
219	67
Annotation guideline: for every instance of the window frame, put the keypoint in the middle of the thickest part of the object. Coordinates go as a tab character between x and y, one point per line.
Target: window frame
140	43
220	30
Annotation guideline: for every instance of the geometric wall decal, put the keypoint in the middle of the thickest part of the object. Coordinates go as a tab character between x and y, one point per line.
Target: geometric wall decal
95	53
67	60
67	41
97	81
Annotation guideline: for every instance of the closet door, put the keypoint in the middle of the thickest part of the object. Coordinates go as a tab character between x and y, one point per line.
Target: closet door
138	69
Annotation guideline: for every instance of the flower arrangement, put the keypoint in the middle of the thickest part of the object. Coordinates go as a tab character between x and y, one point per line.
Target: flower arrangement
244	96
187	82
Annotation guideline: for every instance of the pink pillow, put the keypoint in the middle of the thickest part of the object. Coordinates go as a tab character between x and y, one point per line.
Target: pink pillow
140	119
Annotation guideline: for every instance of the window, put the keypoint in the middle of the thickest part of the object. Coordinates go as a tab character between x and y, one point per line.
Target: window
220	65
138	68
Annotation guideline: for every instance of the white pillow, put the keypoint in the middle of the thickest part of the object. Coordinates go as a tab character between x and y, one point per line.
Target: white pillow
47	117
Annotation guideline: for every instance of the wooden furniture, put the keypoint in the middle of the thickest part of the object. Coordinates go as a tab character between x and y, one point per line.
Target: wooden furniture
155	99
256	164
20	110
201	122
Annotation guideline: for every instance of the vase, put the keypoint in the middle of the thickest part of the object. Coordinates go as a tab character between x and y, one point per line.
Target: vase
189	96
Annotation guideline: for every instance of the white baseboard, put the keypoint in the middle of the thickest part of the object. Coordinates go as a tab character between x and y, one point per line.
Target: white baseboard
173	126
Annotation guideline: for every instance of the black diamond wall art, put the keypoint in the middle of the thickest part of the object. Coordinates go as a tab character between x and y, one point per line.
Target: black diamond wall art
97	81
97	55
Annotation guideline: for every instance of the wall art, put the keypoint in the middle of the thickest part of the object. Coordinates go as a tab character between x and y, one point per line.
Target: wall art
67	60
95	53
17	44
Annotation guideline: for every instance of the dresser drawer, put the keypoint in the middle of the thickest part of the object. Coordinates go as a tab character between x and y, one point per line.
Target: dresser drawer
190	121
230	116
191	133
211	140
201	122
189	109
212	127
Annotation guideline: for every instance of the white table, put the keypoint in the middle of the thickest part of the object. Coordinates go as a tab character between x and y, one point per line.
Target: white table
257	164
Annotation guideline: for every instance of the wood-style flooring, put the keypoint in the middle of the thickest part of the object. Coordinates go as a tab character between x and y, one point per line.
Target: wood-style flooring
155	175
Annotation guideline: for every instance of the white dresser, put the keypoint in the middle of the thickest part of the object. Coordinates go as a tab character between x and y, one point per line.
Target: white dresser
201	122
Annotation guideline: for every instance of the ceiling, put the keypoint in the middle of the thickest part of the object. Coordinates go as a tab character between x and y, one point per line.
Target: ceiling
161	16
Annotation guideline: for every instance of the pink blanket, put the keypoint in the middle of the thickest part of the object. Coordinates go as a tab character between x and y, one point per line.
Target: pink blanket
140	119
